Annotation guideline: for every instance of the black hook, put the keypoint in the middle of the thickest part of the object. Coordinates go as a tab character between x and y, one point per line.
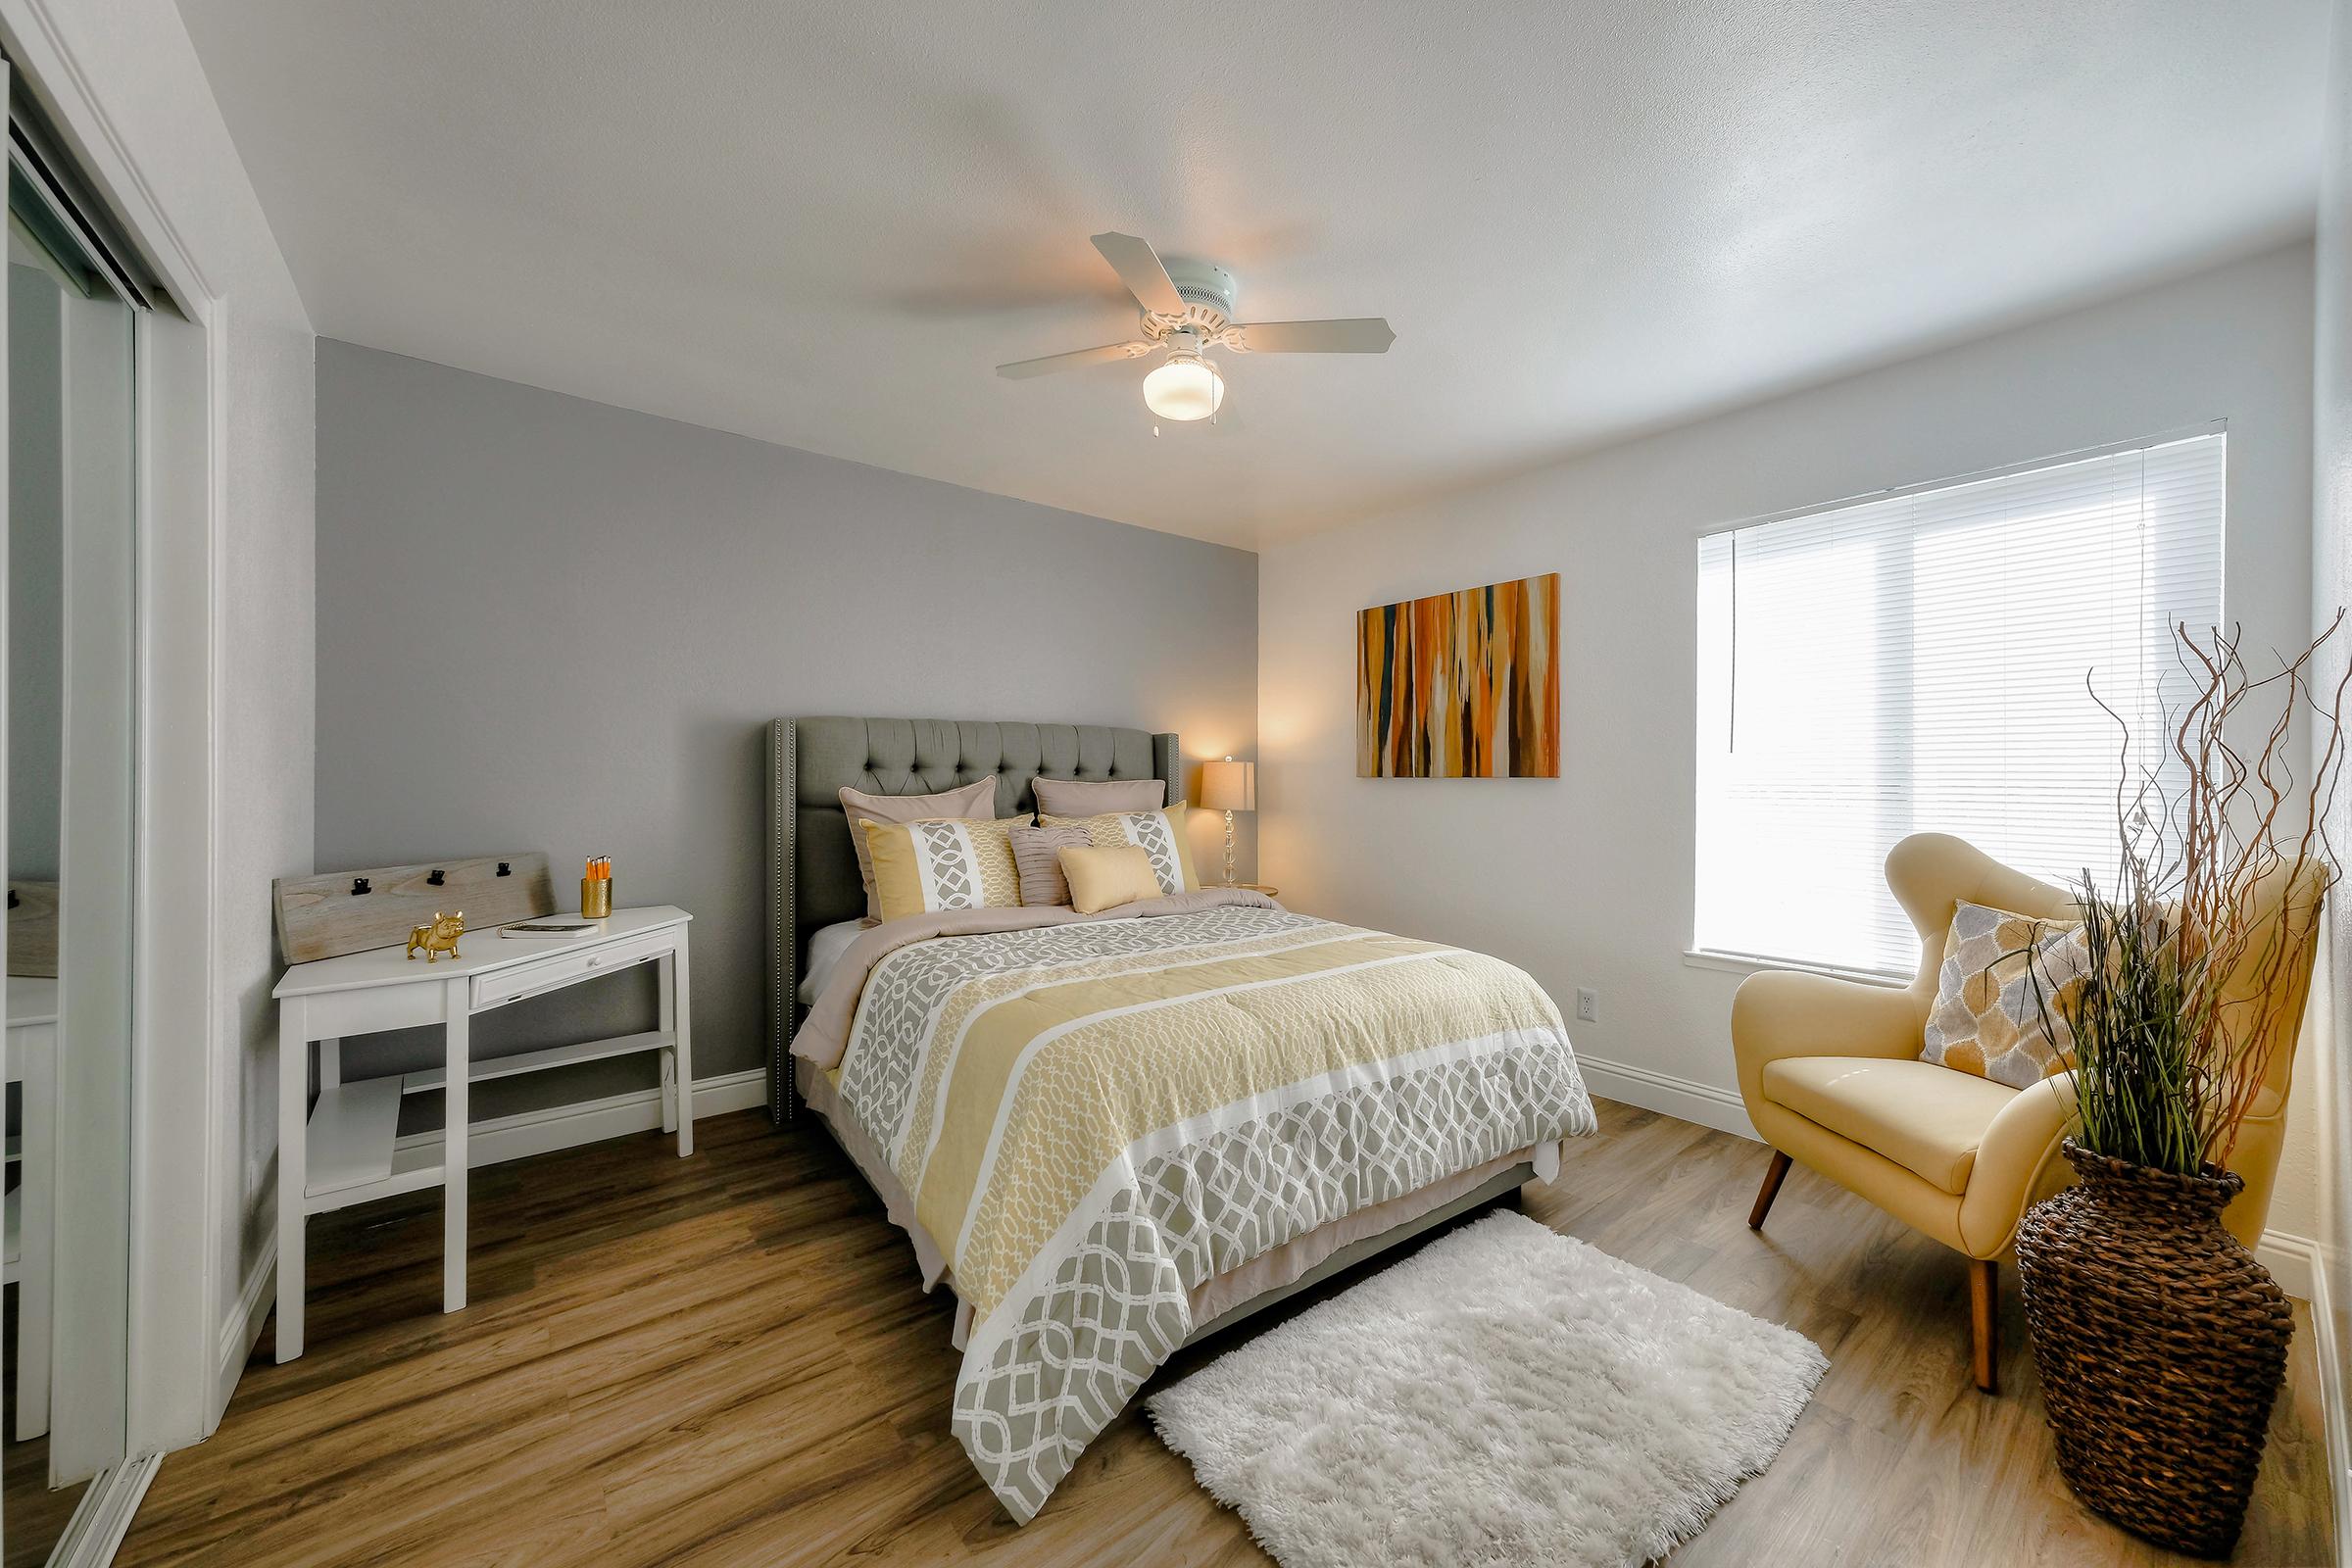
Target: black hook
434	880
358	884
504	869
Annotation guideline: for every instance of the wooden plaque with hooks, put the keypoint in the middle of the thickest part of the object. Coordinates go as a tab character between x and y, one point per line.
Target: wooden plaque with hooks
336	912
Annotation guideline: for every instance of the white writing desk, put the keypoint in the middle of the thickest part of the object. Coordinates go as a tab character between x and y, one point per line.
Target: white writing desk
343	1151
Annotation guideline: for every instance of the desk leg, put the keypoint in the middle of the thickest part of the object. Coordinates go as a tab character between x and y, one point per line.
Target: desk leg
293	1161
665	988
677	995
457	1081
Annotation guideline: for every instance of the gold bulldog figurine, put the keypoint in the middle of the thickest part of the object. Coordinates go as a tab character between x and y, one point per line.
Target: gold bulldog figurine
438	938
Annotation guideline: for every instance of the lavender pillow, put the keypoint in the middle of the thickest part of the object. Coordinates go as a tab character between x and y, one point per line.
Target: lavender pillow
1097	797
1037	858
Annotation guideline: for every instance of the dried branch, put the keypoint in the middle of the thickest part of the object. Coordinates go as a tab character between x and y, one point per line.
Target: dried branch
2203	944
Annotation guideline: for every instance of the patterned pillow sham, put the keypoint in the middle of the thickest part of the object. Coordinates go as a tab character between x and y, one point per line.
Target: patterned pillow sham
1037	858
1160	834
944	864
977	799
1998	970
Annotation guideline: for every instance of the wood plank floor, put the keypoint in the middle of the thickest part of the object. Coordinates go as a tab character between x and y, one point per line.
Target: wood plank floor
35	1517
725	1361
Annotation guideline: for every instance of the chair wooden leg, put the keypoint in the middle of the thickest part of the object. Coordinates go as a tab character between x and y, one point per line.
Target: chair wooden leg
1985	1320
1774	1175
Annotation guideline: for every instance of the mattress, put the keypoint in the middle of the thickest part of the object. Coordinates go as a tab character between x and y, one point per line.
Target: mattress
826	945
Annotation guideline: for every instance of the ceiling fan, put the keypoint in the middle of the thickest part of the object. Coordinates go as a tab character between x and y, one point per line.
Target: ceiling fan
1188	310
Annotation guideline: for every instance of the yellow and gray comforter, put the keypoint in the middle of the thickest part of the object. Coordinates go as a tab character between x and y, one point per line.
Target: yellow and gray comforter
1096	1115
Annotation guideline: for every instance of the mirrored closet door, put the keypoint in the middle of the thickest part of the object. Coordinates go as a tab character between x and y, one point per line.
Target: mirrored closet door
71	697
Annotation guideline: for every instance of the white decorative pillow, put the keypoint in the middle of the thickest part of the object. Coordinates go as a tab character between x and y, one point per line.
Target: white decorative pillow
2001	973
1159	834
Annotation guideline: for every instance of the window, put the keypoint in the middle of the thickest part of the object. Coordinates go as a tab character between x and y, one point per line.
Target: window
1918	663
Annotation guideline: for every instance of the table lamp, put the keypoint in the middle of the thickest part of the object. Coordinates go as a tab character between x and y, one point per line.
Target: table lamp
1229	787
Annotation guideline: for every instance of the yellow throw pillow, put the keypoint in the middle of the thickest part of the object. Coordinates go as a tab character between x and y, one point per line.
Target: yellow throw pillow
1102	878
943	863
1159	834
978	798
1987	1019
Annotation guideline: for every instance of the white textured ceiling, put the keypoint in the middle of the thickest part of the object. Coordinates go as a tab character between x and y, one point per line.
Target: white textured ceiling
824	225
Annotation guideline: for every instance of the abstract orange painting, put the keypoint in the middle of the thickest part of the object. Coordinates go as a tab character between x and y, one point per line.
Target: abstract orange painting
1462	685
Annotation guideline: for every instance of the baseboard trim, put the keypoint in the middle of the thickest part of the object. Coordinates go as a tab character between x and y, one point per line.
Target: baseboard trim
242	1331
1685	1099
489	1142
2293	1262
103	1517
2336	1420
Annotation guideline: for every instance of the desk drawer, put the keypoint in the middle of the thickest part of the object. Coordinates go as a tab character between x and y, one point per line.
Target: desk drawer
567	969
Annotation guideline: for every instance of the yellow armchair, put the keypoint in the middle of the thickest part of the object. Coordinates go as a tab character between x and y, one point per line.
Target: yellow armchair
1831	1075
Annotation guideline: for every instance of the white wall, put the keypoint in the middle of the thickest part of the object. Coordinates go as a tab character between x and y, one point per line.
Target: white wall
1587	880
2329	1034
122	80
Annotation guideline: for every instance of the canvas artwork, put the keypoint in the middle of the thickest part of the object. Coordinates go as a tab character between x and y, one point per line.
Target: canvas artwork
1462	685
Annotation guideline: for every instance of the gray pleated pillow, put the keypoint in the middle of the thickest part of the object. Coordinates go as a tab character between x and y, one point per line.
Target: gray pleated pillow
1037	858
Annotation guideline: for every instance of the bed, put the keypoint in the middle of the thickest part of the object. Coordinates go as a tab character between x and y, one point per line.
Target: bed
1113	1135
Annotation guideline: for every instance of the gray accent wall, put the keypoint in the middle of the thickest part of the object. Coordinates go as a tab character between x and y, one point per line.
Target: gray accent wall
550	623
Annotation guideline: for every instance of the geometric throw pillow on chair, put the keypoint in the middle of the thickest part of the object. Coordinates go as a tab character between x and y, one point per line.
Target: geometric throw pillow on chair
1999	972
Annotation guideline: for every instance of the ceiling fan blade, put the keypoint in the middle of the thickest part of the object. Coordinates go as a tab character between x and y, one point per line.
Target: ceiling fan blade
1139	267
1022	370
1363	335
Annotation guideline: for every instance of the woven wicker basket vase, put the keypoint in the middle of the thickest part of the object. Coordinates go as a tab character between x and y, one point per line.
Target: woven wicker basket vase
2161	1344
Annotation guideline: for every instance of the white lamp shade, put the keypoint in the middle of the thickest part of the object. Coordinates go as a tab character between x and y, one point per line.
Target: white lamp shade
1229	786
1187	387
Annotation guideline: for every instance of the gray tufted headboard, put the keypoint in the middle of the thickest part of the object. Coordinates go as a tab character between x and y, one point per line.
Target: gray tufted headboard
812	873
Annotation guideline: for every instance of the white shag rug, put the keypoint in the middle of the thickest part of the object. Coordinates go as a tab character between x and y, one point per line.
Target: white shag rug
1506	1396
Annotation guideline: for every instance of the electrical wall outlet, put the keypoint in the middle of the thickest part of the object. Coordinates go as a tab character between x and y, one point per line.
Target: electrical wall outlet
1588	1005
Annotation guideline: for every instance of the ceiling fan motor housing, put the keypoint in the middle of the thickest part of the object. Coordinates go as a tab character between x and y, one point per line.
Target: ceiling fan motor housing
1187	306
1209	292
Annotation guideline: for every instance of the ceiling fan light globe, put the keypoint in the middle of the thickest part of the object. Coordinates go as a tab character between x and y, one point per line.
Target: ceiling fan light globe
1187	387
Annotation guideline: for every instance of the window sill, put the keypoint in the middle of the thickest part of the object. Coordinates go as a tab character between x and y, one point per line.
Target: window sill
1745	963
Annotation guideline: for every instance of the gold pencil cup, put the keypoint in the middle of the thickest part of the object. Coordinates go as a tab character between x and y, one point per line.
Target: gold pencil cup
596	898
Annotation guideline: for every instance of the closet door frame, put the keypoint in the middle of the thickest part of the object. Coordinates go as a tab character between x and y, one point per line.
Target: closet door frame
95	383
185	1087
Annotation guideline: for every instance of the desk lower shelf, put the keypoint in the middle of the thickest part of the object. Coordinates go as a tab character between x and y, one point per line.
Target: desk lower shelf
354	1129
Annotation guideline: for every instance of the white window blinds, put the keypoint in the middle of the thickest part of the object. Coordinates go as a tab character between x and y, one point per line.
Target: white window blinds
1918	664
